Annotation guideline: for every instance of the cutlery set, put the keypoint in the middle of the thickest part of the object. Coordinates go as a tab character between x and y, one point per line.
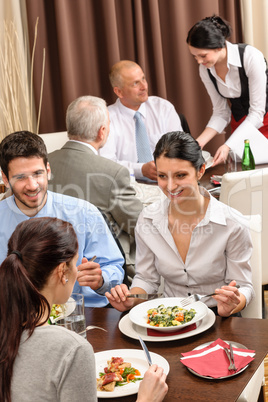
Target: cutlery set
184	302
230	355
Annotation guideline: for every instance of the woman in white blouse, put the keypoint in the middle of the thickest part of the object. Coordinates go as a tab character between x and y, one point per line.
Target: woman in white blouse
193	241
233	74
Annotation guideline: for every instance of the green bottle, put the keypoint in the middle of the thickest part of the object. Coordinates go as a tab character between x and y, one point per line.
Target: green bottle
248	162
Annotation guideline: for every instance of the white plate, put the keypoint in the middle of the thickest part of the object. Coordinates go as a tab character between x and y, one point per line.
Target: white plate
138	314
133	331
137	359
235	344
70	306
206	155
209	162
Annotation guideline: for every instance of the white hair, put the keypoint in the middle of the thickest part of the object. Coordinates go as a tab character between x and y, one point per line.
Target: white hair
85	116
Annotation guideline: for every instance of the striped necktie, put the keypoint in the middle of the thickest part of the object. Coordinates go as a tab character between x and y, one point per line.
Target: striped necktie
142	141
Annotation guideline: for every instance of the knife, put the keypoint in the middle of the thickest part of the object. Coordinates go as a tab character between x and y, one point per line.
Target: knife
145	296
146	351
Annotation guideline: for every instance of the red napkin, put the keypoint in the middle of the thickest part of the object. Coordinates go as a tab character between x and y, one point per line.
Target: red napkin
215	363
154	332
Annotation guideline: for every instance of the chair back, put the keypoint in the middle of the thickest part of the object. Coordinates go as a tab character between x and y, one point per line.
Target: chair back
54	141
248	193
254	309
110	226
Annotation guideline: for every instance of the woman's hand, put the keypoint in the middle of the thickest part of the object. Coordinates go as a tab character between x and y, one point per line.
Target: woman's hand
153	387
117	298
221	155
206	136
229	299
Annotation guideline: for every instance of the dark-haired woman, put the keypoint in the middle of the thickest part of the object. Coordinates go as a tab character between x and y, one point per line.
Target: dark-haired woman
41	362
190	239
233	74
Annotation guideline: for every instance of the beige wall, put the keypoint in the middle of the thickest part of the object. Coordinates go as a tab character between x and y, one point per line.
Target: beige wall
255	24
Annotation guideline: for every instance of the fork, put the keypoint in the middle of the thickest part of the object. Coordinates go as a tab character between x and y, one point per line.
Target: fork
232	355
196	297
232	365
91	327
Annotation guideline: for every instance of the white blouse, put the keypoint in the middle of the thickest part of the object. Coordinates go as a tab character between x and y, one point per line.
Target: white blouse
255	67
219	251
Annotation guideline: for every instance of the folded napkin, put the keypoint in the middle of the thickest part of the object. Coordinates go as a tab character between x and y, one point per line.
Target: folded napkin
154	332
212	360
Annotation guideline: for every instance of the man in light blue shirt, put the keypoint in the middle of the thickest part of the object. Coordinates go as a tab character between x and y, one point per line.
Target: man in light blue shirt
25	170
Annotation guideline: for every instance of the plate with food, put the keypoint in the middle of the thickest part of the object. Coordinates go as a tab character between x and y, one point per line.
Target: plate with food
59	311
166	314
134	331
119	372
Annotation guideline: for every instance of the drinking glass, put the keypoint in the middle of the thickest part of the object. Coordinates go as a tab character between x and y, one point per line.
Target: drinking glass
66	324
231	162
75	310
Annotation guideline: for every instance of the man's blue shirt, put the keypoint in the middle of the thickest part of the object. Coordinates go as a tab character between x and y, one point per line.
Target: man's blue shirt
94	238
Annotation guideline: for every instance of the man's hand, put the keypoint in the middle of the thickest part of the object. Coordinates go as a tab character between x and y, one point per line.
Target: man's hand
149	170
89	274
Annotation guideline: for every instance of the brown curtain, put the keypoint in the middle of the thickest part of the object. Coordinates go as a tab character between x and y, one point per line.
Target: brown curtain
83	38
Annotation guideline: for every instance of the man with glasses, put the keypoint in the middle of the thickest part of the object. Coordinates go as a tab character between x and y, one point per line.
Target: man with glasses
26	171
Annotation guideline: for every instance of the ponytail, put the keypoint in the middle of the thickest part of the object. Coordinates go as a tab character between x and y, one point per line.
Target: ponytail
21	307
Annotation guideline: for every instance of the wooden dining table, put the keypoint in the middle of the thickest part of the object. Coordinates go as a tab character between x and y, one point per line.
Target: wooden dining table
183	385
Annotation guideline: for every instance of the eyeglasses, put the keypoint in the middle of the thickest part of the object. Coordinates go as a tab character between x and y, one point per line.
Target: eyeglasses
23	177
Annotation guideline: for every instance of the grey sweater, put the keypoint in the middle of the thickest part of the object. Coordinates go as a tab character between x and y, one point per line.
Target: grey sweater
54	364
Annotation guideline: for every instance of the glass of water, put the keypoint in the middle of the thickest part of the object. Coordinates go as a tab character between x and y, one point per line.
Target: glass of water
231	162
75	314
66	324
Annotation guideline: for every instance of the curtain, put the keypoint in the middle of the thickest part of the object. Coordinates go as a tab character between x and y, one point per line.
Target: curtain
84	38
254	23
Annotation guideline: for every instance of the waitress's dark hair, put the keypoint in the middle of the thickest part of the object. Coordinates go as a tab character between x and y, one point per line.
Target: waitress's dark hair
179	145
209	33
35	249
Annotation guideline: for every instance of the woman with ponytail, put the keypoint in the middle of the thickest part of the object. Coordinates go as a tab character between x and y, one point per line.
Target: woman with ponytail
235	77
38	361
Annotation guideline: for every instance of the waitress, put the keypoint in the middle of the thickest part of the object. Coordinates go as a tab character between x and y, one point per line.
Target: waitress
235	77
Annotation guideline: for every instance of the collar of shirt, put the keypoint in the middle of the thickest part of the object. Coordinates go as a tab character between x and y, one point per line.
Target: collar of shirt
13	206
126	111
233	57
87	145
214	213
